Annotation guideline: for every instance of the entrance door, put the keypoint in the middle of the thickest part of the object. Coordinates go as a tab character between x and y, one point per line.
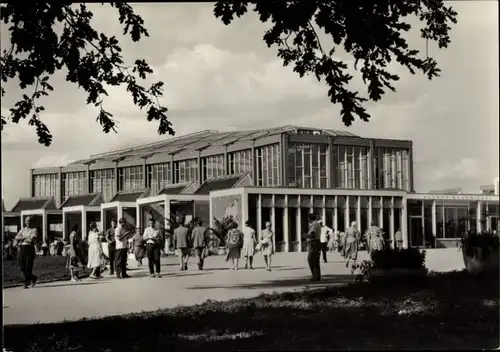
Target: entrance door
416	232
494	223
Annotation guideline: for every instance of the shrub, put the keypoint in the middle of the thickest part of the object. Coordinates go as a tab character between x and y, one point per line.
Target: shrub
406	258
222	227
486	241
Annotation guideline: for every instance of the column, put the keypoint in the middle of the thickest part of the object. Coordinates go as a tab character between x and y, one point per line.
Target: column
167	214
286	234
404	225
103	219
479	216
391	222
358	215
138	216
64	224
259	215
411	182
84	224
347	221
336	220
323	212
273	221
434	225
59	196
119	212
381	214
371	171
330	182
299	225
370	211
210	214
44	226
244	209
284	159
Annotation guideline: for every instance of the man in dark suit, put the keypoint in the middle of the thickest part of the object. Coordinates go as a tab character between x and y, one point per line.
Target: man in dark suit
314	247
110	238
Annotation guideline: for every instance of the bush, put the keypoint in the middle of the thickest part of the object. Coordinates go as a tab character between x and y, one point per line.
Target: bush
486	241
406	258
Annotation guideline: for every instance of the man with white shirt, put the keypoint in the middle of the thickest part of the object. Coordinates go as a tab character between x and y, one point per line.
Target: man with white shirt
153	242
326	233
26	239
122	234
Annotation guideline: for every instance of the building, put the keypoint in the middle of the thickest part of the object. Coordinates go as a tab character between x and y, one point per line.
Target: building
277	175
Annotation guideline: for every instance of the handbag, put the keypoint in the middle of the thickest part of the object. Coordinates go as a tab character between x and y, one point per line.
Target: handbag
258	247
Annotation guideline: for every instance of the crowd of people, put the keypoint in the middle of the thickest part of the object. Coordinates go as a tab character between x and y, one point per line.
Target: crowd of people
123	238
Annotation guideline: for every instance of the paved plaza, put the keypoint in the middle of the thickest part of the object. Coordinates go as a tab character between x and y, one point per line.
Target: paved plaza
58	301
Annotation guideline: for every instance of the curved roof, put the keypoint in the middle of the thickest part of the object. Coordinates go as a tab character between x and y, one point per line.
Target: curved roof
205	139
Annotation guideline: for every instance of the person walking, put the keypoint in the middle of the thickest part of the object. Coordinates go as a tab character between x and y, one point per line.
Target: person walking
351	243
26	239
398	238
45	248
200	242
138	245
373	237
94	252
181	243
314	247
266	244
122	234
234	243
152	237
74	257
249	243
110	238
326	234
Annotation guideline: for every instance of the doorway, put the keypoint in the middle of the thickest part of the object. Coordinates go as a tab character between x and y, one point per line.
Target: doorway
494	223
416	232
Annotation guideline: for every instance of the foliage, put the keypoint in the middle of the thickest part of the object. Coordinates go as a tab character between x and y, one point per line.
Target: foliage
370	31
438	313
486	241
362	268
222	227
405	258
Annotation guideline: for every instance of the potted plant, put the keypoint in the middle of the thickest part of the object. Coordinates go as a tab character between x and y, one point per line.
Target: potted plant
393	264
480	252
220	230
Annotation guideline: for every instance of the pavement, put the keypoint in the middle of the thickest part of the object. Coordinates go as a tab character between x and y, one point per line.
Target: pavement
63	300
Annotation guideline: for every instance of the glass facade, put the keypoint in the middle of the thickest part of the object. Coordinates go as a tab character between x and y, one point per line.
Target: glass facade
185	171
391	168
46	185
268	166
74	183
351	167
307	165
453	220
159	176
212	167
240	162
130	178
103	181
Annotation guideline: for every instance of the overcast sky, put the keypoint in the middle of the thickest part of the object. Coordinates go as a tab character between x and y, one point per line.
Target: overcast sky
226	78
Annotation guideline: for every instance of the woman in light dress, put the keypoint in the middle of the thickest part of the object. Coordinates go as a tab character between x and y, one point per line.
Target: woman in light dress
351	243
249	242
139	246
74	257
94	252
266	244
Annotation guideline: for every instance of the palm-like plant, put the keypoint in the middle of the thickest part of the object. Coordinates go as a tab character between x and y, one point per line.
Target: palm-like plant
222	227
174	221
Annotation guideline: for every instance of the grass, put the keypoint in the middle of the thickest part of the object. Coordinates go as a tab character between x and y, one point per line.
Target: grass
447	311
49	268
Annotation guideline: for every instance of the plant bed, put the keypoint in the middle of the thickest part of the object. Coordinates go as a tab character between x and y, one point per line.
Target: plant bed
480	253
396	274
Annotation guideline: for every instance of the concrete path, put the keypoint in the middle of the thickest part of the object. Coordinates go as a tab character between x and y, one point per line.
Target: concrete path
58	301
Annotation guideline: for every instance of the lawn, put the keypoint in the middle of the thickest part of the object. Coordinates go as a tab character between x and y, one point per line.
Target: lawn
49	268
447	311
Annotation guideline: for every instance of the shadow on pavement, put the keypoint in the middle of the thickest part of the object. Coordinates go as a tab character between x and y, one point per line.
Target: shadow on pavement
69	283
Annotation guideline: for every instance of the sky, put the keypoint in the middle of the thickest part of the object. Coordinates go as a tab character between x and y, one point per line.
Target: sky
226	78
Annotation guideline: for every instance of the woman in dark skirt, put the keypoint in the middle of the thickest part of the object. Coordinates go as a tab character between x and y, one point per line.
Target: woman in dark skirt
139	246
234	243
351	243
74	256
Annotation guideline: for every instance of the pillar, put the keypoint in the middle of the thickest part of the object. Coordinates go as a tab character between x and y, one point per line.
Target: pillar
330	162
84	224
244	209
283	159
411	182
44	226
210	214
119	212
404	224
434	225
273	221
479	216
323	211
286	234
370	211
259	215
391	222
358	215
299	225
138	217
335	219
347	221
65	231
59	196
166	215
381	214
371	170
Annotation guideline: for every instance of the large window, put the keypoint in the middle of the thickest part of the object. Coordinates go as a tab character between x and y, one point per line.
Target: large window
391	168
160	176
268	166
212	167
240	162
130	178
185	171
351	165
307	165
74	183
103	181
46	185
